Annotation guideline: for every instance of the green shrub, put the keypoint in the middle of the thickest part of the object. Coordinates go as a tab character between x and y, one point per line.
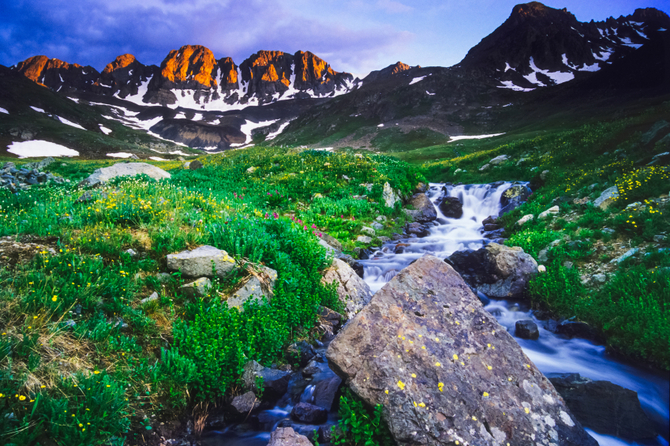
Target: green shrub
360	425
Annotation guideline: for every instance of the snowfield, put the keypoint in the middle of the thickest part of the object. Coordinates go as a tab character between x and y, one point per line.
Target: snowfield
39	148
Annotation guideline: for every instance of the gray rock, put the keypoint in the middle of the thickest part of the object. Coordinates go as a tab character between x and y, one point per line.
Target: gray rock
275	382
244	404
484	167
364	239
309	413
544	175
195	165
605	407
196	288
300	352
451	207
154	296
525	219
599	278
514	197
328	247
631	252
457	388
286	436
187	165
526	329
659	238
104	174
496	270
389	196
377	226
609	231
549	212
353	292
325	392
332	241
607	198
260	285
424	210
367	230
499	159
542	256
205	261
417	229
131	252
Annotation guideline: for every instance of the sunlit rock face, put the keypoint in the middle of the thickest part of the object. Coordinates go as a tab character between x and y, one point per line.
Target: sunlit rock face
58	75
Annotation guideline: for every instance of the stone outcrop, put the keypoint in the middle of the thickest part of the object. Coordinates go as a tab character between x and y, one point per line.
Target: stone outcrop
495	270
124	76
389	196
260	285
423	211
605	407
353	292
275	382
514	197
245	403
197	288
451	207
205	261
286	436
104	174
445	370
309	413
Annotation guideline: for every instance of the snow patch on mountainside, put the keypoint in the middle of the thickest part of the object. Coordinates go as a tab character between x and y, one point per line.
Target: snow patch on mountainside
120	155
460	137
141	91
70	123
39	148
249	126
37	109
273	135
558	77
104	129
2	110
417	79
511	86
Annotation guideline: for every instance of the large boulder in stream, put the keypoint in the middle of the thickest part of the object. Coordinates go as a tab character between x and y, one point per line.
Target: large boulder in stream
286	436
353	292
514	197
451	207
444	370
424	210
605	407
498	271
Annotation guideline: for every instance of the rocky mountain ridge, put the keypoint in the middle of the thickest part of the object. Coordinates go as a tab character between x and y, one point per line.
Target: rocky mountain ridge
539	46
213	104
192	77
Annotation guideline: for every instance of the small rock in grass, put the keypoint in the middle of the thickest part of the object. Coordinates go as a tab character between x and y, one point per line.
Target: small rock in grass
364	239
196	288
549	212
631	252
154	296
525	219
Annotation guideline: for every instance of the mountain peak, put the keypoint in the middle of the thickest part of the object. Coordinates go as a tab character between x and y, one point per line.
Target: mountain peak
191	64
121	61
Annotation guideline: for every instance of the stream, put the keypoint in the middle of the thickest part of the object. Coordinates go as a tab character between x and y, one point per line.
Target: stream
550	353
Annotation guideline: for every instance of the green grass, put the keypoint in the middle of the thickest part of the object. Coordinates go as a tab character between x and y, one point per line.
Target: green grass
73	322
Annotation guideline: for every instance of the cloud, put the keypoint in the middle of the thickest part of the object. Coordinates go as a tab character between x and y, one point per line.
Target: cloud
90	32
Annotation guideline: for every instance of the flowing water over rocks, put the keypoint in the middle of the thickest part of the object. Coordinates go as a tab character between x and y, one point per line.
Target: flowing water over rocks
551	353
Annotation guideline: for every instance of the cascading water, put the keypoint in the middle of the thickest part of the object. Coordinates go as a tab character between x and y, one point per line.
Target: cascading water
551	354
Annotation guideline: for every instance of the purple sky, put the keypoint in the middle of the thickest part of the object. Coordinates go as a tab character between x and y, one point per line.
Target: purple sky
352	35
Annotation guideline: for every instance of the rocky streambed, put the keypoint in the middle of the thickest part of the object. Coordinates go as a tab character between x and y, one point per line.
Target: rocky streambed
457	361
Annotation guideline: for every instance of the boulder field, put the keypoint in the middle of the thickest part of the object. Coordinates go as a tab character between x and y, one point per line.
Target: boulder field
444	370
